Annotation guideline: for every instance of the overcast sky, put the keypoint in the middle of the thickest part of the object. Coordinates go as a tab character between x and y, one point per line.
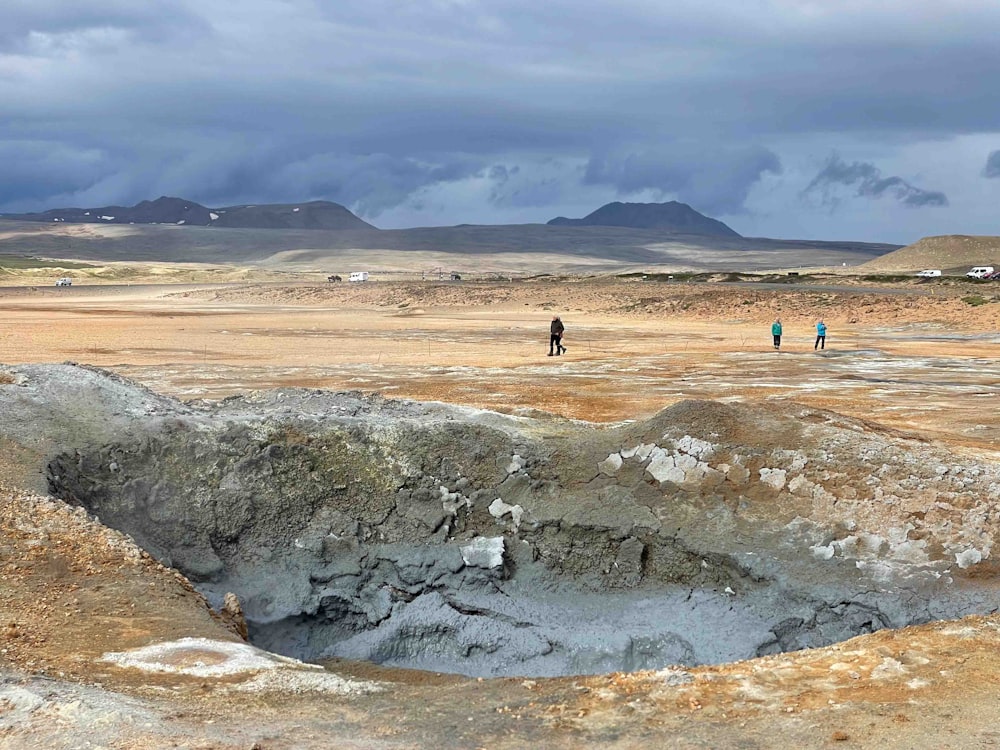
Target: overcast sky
846	119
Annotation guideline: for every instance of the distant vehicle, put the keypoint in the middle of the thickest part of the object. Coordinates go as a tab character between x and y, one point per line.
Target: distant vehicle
929	273
980	272
358	276
456	276
333	279
64	281
995	276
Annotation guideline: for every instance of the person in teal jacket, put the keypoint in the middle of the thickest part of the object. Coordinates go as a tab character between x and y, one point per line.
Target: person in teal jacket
776	332
820	334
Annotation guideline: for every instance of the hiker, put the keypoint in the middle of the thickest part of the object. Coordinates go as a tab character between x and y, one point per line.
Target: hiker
776	332
820	334
555	336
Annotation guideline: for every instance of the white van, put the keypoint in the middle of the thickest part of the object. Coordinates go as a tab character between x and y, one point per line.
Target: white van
64	281
358	276
980	272
929	273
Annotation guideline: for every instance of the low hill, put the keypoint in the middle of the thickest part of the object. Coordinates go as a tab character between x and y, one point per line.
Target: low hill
672	217
955	253
166	210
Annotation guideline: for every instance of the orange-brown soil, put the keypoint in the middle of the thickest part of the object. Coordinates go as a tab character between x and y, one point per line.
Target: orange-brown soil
72	590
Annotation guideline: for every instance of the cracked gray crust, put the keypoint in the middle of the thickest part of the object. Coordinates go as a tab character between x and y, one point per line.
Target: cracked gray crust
346	522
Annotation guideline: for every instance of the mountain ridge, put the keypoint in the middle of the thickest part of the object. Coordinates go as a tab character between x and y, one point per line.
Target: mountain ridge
672	217
173	210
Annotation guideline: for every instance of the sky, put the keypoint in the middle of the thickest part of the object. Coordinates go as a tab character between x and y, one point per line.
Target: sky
821	119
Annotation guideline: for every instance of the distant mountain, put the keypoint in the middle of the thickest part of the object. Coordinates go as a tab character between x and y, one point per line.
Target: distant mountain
161	211
672	217
164	210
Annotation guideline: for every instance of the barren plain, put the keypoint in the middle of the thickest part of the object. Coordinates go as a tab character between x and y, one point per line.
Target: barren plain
912	365
919	357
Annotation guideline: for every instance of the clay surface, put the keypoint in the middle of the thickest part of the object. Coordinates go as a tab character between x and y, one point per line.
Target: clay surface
677	496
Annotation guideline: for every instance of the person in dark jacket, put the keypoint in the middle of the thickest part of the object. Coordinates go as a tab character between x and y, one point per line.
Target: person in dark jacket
555	337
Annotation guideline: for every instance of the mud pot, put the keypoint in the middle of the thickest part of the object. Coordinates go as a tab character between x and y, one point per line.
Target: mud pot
458	540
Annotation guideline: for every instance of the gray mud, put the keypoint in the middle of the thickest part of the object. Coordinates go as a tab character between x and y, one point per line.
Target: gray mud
452	539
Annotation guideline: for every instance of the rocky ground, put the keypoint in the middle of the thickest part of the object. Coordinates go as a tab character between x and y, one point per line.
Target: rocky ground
833	298
350	526
915	356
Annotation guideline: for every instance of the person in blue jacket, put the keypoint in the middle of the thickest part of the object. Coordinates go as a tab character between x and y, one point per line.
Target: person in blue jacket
776	332
820	335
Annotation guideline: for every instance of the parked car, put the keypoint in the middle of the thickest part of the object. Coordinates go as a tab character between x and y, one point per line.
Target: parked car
334	279
929	273
64	281
980	272
995	276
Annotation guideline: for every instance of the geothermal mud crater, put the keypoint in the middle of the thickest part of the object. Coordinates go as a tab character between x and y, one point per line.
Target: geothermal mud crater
451	539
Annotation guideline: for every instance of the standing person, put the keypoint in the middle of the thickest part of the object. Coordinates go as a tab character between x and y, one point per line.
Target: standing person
555	336
820	335
776	332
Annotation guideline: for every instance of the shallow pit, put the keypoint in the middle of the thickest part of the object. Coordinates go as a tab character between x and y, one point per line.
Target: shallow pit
446	539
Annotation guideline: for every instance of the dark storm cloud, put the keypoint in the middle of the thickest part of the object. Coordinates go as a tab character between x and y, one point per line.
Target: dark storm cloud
992	168
220	173
544	182
34	170
868	182
371	182
373	103
711	179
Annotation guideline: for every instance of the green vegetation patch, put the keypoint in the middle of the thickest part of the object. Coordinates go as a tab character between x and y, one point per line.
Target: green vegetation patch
975	300
689	276
22	262
783	278
126	272
887	278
